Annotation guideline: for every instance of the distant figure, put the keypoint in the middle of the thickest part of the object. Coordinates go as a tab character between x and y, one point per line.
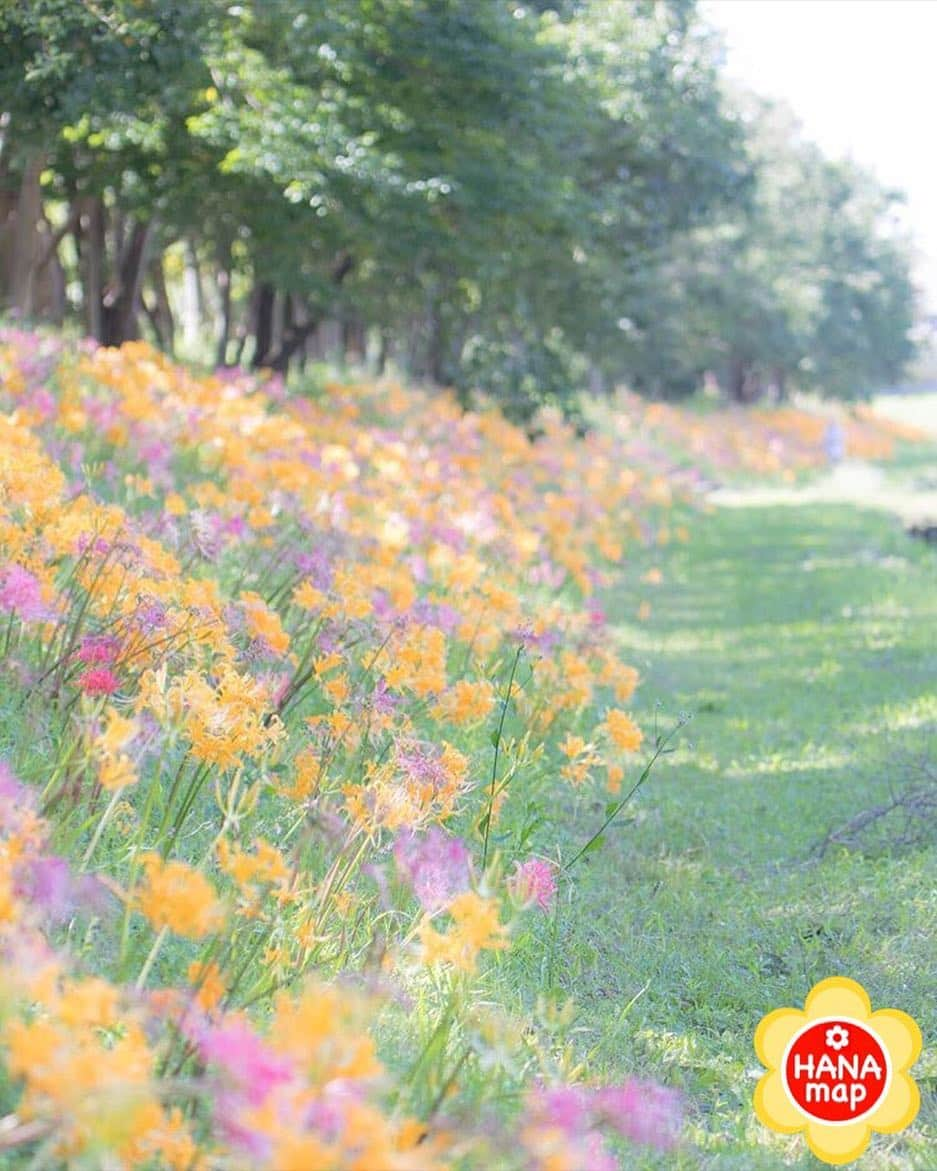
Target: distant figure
834	441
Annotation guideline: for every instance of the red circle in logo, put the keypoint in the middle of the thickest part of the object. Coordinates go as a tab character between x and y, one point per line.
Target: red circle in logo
836	1070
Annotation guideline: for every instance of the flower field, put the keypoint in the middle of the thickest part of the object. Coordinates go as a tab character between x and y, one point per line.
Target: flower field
767	442
291	686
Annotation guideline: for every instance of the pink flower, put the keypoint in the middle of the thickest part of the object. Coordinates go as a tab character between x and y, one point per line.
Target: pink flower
327	1115
563	1107
21	594
595	1156
47	883
642	1111
43	403
421	763
250	1064
51	888
566	1109
534	881
98	648
149	616
382	701
14	799
229	1110
99	681
435	865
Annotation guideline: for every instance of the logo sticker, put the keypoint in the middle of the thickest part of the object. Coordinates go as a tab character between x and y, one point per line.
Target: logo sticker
837	1070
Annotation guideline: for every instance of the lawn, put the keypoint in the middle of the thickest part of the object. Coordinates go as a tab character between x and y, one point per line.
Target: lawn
802	640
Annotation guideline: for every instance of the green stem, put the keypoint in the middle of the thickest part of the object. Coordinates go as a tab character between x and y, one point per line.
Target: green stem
497	747
151	959
619	805
101	826
135	864
195	787
447	1085
173	789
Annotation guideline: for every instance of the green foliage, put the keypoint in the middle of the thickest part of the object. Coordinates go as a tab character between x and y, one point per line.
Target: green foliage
521	197
805	285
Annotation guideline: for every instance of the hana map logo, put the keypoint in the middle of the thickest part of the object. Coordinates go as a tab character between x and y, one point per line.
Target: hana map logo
837	1070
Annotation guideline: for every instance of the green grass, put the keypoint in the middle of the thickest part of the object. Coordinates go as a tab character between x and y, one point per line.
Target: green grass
803	642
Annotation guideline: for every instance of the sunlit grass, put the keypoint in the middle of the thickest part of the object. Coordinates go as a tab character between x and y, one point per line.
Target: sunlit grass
710	908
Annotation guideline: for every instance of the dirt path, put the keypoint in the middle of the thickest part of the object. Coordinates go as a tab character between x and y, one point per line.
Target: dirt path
852	482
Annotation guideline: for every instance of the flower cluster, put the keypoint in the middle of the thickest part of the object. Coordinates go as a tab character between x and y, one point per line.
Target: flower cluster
268	651
765	441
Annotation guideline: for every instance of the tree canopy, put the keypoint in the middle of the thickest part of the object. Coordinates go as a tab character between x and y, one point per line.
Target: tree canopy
522	196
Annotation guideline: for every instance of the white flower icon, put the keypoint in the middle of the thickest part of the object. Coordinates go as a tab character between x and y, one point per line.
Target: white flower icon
837	1037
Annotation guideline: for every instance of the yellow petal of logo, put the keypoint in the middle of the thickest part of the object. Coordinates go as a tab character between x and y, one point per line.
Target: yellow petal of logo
837	1070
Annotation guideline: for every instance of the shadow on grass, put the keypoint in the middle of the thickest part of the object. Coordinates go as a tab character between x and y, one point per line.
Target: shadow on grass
805	642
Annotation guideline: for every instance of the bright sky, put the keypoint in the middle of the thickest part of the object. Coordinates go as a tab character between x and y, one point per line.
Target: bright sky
861	75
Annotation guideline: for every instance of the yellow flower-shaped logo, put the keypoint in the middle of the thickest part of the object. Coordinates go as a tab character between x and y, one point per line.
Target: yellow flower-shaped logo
837	1070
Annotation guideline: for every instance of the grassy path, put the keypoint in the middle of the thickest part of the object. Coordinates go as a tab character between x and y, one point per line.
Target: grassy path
804	640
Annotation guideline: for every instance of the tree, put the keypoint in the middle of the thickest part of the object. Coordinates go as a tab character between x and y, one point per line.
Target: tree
805	284
94	98
521	197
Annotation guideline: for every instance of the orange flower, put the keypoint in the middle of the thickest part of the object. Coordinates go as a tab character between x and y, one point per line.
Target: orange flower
209	983
89	1002
475	928
118	732
466	702
265	865
572	746
305	781
615	774
178	897
264	623
116	772
623	732
228	719
308	597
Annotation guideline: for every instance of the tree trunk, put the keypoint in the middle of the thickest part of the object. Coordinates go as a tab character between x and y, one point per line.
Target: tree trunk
121	300
245	325
263	324
291	344
346	339
290	335
160	314
92	249
359	340
735	379
413	344
240	339
744	383
224	289
32	283
314	347
383	352
277	326
112	302
436	348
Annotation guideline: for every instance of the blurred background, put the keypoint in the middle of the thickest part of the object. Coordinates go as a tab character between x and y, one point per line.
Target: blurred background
733	197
